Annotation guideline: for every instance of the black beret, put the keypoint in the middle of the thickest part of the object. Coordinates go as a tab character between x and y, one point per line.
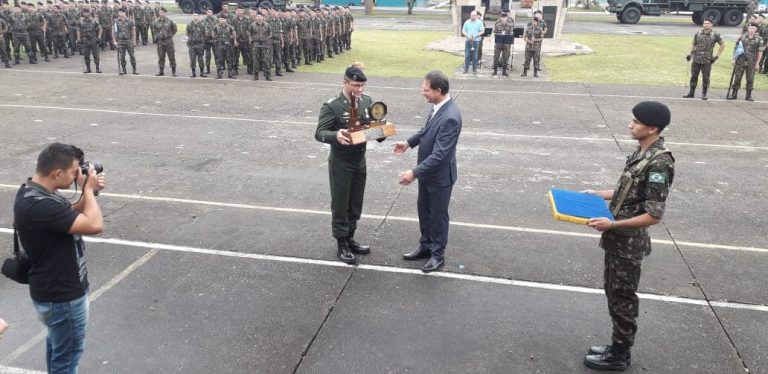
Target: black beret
537	11
354	74
222	15
652	113
163	9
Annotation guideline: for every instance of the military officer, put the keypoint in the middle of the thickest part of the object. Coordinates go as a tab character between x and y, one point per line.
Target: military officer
701	54
747	61
241	22
196	30
225	39
506	27
124	37
88	36
260	37
533	37
637	202
346	162
165	29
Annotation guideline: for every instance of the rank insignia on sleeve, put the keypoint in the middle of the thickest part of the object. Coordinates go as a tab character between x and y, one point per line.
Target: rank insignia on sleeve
657	178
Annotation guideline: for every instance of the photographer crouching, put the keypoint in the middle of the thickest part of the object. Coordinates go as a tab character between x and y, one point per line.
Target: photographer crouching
49	227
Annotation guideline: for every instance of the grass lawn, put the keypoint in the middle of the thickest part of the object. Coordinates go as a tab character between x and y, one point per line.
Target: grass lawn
391	54
638	60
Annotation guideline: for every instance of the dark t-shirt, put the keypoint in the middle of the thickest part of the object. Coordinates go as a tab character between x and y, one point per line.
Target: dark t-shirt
58	273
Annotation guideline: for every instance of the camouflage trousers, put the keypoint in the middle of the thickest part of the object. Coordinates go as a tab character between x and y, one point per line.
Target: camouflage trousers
501	55
142	34
20	40
166	48
705	69
106	38
743	65
3	51
306	49
243	48
225	57
72	38
623	258
196	54
58	44
288	50
262	57
329	49
209	49
317	49
122	48
6	44
277	55
532	53
89	48
37	41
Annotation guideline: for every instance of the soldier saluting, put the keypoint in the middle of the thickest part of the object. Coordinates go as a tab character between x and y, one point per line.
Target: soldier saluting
701	53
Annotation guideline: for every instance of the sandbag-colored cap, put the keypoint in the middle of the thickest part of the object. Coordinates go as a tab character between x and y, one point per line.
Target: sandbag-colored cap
652	113
354	74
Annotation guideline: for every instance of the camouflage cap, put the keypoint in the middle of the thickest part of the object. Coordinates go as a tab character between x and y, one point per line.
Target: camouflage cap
652	113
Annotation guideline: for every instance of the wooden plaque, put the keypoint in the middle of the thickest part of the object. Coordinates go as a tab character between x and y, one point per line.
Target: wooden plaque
373	132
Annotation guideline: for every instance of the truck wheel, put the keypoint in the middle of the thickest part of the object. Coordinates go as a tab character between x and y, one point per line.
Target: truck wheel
696	17
630	15
204	5
187	6
618	17
733	17
713	15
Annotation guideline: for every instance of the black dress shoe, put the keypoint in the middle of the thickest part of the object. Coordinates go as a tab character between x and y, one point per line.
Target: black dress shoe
417	255
611	359
356	247
433	265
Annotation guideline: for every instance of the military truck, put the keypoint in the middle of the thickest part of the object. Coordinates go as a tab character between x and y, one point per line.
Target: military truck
187	6
720	12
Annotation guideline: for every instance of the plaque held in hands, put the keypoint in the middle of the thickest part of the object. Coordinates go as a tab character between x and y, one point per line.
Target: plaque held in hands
369	127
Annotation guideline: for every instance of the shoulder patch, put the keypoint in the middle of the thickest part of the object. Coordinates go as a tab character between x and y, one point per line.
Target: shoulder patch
655	177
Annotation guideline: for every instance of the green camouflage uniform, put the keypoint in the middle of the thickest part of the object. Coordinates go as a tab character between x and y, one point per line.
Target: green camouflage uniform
195	43
703	43
19	28
304	27
124	32
288	44
243	48
317	36
222	35
277	48
346	164
625	248
763	31
141	22
5	15
106	19
165	29
210	23
89	40
501	51
3	51
533	49
36	35
73	17
261	45
746	61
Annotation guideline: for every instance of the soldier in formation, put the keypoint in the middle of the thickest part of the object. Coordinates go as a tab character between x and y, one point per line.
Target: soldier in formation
196	31
746	62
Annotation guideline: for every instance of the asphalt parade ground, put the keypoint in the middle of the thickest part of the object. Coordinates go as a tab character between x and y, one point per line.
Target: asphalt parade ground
217	254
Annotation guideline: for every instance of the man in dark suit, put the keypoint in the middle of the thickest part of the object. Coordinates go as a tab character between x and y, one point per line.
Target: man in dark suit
436	170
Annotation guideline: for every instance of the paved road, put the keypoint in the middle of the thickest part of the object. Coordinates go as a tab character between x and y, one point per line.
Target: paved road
217	256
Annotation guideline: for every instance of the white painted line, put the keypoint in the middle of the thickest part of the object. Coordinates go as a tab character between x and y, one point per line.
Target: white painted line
470	133
398	270
24	348
415	87
410	219
13	370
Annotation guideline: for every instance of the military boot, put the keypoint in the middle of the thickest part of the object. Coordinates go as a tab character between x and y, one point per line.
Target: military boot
495	70
356	247
173	71
133	66
287	68
218	73
268	75
293	65
87	68
344	253
306	61
208	69
66	52
504	71
160	73
277	71
16	60
733	94
121	70
202	73
614	358
98	69
690	92
704	93
232	73
194	75
56	54
525	73
33	58
535	73
749	96
255	75
45	57
7	64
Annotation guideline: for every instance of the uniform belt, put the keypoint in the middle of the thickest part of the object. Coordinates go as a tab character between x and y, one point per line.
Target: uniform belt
630	232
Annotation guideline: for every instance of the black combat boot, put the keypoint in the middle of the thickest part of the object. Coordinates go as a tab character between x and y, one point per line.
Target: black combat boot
33	58
173	71
202	73
7	64
690	92
525	73
56	54
250	70
121	70
194	75
277	71
45	57
504	71
87	68
218	73
268	75
98	69
208	69
160	73
66	52
356	247
133	66
535	73
287	68
232	73
749	96
344	253
704	93
495	70
255	75
614	358
16	60
733	94
306	61
293	65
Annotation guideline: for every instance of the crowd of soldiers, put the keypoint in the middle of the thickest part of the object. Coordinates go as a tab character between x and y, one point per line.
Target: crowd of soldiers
265	38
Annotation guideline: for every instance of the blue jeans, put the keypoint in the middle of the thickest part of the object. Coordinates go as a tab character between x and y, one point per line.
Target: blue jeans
470	54
66	324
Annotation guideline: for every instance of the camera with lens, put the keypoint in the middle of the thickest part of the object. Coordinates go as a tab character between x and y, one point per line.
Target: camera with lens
85	165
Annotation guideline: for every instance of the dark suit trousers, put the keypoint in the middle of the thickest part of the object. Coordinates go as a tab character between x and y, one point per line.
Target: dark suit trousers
432	204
